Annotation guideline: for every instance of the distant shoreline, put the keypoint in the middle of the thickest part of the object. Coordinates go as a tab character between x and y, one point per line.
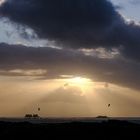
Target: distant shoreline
69	120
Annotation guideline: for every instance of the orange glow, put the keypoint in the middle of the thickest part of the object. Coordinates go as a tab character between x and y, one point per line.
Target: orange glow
79	80
84	84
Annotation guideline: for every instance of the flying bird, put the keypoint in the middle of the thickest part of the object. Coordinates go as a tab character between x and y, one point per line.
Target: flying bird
66	84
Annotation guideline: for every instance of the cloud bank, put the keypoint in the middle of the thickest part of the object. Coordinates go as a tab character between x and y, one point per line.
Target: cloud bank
73	25
77	23
50	63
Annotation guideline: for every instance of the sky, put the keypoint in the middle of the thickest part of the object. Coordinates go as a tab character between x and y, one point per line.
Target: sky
70	58
128	8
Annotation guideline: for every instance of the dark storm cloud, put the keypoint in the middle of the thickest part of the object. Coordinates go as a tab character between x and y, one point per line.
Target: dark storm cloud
68	62
76	23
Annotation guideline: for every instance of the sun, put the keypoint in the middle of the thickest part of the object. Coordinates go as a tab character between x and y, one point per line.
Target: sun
79	81
84	84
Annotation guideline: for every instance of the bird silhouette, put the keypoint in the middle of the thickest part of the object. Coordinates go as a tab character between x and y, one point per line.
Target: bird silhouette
66	84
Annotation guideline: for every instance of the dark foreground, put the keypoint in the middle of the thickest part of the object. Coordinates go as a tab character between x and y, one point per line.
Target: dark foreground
109	130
